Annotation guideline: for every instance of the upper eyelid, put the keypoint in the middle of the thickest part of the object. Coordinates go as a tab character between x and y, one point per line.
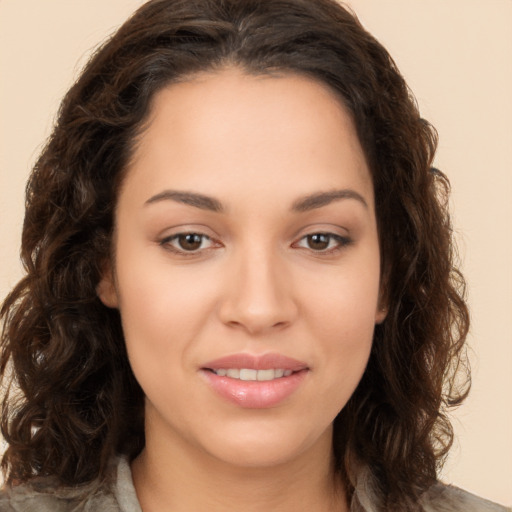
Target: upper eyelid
336	236
181	233
334	230
197	229
175	236
341	239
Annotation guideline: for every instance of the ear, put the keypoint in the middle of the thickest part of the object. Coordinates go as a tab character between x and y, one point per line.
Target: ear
383	303
381	313
106	289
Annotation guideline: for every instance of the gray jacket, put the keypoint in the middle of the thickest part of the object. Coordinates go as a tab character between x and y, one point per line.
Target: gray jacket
41	496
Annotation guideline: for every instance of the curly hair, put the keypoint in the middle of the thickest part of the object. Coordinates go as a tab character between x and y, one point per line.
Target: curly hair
72	401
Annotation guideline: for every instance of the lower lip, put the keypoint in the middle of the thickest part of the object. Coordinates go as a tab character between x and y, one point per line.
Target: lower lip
255	394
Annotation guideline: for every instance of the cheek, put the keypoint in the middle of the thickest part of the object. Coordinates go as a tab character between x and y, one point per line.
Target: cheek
340	318
155	293
345	335
343	302
346	341
162	309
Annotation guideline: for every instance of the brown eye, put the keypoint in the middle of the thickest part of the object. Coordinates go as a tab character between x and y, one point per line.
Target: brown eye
323	242
190	241
318	241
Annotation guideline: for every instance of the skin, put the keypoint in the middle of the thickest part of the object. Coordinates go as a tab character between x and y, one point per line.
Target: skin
256	283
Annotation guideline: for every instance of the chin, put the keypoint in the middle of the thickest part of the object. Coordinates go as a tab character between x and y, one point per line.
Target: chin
268	447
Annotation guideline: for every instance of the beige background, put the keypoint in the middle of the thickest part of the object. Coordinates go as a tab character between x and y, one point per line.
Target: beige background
457	58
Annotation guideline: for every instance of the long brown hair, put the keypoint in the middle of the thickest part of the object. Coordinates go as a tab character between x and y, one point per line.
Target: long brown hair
73	401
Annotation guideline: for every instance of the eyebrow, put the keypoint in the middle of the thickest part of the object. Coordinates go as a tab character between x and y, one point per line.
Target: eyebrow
190	198
313	201
303	204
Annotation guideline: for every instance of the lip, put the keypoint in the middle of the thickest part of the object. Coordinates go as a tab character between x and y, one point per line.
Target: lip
255	394
261	362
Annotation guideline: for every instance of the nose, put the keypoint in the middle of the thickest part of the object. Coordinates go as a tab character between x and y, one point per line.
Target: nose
259	296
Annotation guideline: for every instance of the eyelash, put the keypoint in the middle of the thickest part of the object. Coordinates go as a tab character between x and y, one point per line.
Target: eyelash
167	243
340	243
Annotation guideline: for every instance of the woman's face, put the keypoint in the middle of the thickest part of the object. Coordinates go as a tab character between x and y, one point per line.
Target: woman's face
247	267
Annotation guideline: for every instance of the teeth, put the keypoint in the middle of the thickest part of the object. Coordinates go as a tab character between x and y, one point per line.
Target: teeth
250	374
246	374
266	374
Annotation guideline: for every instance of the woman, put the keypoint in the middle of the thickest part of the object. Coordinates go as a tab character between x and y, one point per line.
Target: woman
240	290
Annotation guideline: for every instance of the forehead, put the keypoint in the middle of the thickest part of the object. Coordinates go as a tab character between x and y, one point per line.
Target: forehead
219	130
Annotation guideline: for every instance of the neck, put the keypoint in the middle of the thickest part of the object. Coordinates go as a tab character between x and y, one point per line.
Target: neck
181	478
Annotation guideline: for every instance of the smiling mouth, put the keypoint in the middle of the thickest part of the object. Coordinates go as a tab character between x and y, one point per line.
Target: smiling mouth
255	381
250	374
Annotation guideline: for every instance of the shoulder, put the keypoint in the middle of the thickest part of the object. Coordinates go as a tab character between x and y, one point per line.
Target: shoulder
42	495
446	498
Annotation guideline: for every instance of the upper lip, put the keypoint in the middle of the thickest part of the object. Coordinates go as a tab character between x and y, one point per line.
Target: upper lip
257	362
